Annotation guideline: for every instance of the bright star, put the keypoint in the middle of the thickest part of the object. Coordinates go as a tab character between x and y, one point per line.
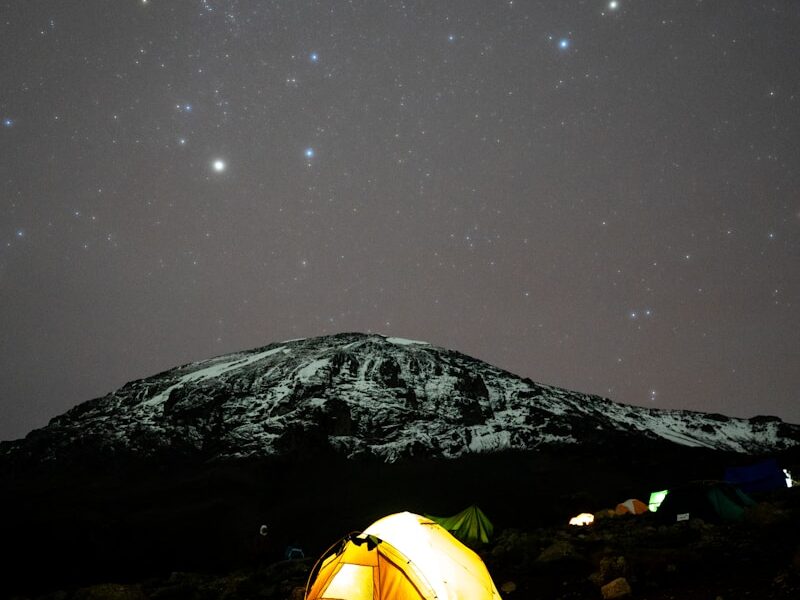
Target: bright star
313	57
219	165
8	122
613	5
309	153
451	38
182	141
563	43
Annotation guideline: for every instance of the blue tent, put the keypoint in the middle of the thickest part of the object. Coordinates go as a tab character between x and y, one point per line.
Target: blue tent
760	477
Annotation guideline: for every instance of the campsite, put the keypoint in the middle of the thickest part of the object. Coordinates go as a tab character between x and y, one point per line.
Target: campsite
520	534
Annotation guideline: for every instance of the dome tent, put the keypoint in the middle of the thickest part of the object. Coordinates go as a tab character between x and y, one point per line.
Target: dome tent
631	506
765	476
401	557
471	525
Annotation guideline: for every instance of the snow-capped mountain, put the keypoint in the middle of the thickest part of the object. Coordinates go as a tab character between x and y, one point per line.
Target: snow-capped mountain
366	394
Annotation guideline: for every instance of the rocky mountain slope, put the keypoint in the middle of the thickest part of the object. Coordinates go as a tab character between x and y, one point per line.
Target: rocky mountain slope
365	395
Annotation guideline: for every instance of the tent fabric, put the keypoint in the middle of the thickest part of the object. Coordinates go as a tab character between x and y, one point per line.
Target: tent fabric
656	498
366	569
631	506
471	525
452	569
402	557
761	477
710	501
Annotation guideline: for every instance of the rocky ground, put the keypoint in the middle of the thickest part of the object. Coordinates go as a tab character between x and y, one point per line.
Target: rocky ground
617	557
758	558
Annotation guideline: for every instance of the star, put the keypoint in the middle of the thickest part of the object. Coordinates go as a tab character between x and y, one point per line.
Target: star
8	122
563	43
313	57
613	5
451	38
309	152
219	165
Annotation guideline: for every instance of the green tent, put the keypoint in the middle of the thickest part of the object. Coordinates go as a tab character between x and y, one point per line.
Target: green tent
656	498
471	525
707	500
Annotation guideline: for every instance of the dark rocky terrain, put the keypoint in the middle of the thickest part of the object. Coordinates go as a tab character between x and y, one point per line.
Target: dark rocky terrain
758	558
160	487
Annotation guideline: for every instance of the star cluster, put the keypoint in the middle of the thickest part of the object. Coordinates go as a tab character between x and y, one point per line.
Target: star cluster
597	195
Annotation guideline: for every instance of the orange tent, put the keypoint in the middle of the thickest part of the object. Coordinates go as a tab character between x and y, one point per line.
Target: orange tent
631	506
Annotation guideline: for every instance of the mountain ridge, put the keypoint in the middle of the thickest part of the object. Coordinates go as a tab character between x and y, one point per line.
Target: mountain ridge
366	395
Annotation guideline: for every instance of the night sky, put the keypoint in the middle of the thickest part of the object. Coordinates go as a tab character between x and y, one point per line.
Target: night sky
597	195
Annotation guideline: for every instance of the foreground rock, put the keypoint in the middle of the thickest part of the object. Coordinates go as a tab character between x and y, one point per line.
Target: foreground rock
617	589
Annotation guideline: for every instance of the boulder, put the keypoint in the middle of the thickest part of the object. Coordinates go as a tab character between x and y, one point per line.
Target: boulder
619	588
508	587
558	551
610	568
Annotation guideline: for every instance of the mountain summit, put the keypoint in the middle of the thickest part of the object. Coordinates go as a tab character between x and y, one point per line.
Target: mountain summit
366	395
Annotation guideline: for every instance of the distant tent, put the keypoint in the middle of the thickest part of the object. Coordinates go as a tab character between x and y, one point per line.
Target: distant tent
710	501
293	553
656	498
471	525
789	481
761	477
632	506
402	556
582	519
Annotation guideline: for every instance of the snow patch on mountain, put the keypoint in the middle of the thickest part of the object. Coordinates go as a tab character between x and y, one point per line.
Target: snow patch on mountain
405	342
214	371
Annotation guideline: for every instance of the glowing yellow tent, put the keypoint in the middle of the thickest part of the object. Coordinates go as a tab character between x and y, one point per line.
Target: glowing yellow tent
402	557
